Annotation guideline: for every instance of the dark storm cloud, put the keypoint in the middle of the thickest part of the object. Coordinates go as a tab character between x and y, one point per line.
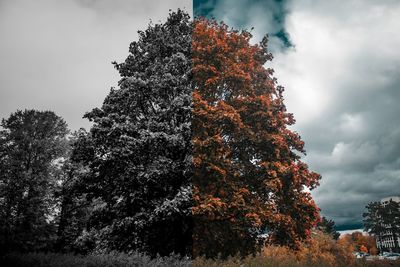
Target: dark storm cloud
244	14
346	61
343	86
57	55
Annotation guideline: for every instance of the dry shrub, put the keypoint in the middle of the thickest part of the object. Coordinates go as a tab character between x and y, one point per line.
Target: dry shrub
321	251
325	250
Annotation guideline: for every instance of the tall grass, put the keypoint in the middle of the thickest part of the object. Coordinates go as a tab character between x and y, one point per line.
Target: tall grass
271	257
95	260
262	261
321	251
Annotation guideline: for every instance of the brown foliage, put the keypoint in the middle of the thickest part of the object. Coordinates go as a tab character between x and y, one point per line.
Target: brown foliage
360	242
322	250
247	170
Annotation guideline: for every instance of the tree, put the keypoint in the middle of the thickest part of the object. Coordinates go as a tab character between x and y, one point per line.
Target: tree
373	219
382	219
363	249
360	242
248	177
71	201
30	144
138	150
328	226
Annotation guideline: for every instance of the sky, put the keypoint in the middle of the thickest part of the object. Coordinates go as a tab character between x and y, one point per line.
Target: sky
56	55
339	62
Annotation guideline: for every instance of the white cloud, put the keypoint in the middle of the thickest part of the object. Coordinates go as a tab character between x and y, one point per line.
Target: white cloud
342	84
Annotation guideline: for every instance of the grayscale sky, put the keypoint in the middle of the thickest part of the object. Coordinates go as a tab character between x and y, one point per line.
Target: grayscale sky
340	64
56	54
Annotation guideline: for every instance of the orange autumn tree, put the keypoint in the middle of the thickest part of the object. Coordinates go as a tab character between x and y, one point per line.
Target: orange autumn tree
248	177
361	242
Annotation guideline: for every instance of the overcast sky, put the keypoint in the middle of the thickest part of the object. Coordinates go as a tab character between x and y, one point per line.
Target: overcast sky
56	55
340	64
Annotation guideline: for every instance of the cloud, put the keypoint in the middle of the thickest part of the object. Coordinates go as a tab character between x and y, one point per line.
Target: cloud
342	84
265	16
57	55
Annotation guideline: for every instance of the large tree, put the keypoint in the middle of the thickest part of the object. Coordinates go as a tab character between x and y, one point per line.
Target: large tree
139	149
30	144
248	177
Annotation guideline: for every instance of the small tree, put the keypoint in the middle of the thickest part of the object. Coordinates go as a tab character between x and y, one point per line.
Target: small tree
30	143
363	249
328	226
382	218
360	242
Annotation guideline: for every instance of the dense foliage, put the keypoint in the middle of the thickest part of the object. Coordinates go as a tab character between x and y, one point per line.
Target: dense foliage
31	142
328	226
72	205
138	151
248	177
360	242
383	218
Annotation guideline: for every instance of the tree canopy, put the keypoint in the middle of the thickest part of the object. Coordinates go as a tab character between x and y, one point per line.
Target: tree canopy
31	142
328	226
248	177
383	219
139	147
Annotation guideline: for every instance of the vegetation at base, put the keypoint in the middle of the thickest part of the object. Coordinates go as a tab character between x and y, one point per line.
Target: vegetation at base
290	261
94	260
321	251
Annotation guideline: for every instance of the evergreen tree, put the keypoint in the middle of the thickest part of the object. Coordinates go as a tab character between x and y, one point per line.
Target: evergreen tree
248	177
30	144
328	226
382	219
139	149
